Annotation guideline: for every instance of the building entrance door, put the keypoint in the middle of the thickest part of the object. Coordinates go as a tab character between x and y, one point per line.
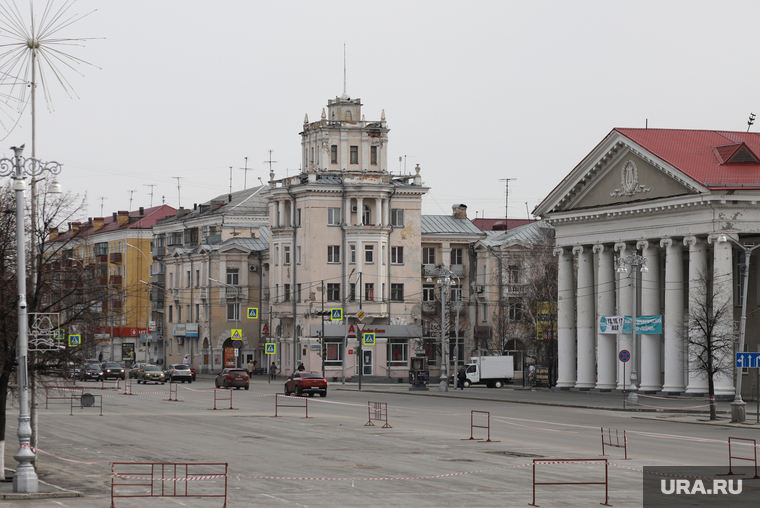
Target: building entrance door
367	362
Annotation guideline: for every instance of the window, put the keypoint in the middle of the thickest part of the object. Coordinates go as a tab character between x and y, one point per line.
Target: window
428	255
276	292
456	256
233	312
298	255
353	253
101	249
367	215
232	276
287	292
369	253
333	253
334	352
428	293
197	278
515	311
298	217
484	313
171	313
373	155
333	216
369	291
189	280
197	312
277	256
334	154
352	295
179	313
286	254
456	294
398	352
333	292
354	154
298	292
397	217
397	255
431	350
188	315
513	274
397	292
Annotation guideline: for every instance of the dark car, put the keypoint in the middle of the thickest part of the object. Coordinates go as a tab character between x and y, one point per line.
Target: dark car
306	382
112	370
150	373
229	378
91	372
133	371
179	372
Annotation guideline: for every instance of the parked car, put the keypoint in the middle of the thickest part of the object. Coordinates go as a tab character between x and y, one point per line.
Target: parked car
178	372
150	373
306	382
91	372
192	370
112	370
133	371
229	378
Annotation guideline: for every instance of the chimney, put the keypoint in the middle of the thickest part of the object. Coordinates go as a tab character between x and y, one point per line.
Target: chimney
142	210
182	212
123	218
53	232
460	211
115	217
98	223
74	227
195	206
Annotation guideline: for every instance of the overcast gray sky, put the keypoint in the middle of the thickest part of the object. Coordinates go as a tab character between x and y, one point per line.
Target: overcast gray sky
474	92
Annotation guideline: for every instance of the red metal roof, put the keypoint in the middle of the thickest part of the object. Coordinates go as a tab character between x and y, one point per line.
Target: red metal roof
704	155
146	220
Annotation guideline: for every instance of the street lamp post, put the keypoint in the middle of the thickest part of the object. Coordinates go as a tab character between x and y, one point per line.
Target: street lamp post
25	479
635	261
445	278
738	406
147	263
237	309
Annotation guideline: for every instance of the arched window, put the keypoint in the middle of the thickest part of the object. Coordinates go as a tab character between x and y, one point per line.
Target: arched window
347	116
367	215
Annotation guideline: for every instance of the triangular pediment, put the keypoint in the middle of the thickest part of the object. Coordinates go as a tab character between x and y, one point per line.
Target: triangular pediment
616	172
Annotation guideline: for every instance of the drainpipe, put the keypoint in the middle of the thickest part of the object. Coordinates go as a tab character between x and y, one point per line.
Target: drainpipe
261	303
192	306
388	275
293	278
344	243
208	314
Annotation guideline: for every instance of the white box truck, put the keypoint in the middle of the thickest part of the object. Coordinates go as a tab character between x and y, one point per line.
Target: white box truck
492	371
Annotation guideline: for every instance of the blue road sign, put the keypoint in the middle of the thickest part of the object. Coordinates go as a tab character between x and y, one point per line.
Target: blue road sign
336	314
75	340
270	348
253	313
624	355
747	360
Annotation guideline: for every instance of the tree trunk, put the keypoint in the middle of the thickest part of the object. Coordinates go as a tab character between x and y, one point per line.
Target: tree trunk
4	377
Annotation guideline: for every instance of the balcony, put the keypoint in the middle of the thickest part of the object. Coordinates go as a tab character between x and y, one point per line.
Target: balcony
115	257
429	307
158	251
113	305
101	258
232	292
102	281
515	289
429	270
158	278
458	270
115	280
202	293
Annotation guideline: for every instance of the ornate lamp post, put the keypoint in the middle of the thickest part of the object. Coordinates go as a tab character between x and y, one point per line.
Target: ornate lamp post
25	480
635	261
445	278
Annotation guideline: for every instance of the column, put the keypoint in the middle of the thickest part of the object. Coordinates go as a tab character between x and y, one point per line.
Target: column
565	319
347	212
723	299
624	309
697	271
292	213
673	317
649	349
586	357
378	212
360	211
387	211
281	213
605	304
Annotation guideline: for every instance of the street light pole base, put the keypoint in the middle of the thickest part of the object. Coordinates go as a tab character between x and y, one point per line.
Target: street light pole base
443	386
25	480
738	411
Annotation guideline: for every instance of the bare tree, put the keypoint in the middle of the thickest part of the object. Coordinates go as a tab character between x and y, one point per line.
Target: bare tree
710	335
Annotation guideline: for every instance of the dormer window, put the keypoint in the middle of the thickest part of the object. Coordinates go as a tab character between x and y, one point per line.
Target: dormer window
737	153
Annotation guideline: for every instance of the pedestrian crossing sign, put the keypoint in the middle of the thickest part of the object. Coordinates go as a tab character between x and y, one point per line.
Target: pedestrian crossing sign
336	314
270	348
59	334
75	340
253	313
369	339
237	334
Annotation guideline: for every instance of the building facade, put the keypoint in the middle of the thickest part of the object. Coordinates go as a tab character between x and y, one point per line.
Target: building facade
684	202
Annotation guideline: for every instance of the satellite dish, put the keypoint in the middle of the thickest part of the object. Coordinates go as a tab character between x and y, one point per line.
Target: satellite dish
87	400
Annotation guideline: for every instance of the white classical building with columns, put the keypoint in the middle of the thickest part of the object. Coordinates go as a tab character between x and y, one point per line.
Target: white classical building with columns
678	200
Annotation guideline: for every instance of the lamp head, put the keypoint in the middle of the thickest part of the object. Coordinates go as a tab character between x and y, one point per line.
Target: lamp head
722	238
55	187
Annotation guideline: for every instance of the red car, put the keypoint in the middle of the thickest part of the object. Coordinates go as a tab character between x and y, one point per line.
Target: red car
232	377
306	382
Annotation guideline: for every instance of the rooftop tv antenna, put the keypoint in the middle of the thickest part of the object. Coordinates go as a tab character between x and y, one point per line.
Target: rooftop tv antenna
102	200
130	198
179	195
750	121
506	208
151	185
245	175
270	161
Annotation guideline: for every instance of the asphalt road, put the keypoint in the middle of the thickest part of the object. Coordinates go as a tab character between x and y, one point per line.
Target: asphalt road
333	460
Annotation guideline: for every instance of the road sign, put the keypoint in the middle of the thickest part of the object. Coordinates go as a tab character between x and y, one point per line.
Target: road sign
253	313
747	360
237	343
369	339
624	355
75	328
75	340
237	352
336	314
265	329
270	348
237	334
360	314
59	334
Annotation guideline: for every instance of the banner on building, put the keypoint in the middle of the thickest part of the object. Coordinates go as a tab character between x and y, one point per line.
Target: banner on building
546	321
645	325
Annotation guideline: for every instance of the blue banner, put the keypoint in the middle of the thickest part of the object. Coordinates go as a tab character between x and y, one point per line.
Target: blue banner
645	325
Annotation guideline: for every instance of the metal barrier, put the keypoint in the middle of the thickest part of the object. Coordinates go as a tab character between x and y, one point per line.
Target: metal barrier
616	444
290	398
378	411
104	381
569	461
86	400
149	479
216	390
55	395
173	391
731	456
127	386
486	426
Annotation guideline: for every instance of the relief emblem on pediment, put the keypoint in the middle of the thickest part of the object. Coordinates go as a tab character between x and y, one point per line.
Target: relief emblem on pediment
629	181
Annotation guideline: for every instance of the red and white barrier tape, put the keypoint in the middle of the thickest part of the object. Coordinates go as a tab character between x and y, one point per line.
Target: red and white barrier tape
186	479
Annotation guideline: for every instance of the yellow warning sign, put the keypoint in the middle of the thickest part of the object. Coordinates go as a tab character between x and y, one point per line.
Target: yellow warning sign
237	334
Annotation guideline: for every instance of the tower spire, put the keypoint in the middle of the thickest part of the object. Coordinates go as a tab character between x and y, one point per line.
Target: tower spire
345	95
